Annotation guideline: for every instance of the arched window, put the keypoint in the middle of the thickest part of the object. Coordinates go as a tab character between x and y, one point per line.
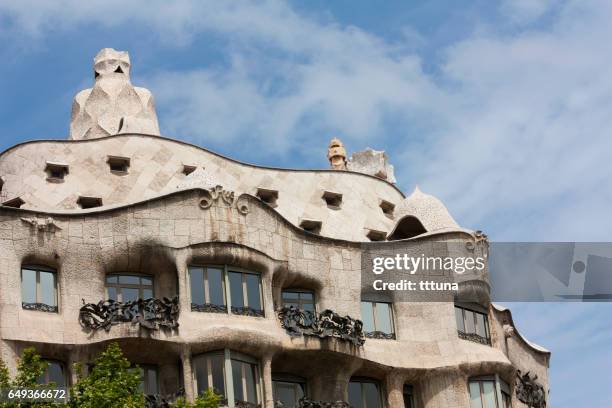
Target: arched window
364	393
39	288
407	227
217	370
128	287
472	324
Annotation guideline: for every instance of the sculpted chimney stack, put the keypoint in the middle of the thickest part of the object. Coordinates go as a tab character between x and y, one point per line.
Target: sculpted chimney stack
336	154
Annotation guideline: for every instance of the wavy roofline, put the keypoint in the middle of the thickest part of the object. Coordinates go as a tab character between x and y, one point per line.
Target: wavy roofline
531	345
169	139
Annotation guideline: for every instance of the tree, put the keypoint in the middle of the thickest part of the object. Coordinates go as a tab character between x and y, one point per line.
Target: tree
207	400
111	383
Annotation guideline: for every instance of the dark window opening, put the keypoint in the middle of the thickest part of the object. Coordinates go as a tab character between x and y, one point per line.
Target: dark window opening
187	169
119	70
409	396
364	393
375	235
314	227
56	171
89	202
54	374
120	125
96	74
268	196
333	200
118	165
408	227
1	183
387	208
15	203
288	390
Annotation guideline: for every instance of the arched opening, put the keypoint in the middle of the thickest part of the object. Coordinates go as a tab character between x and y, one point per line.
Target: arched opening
407	227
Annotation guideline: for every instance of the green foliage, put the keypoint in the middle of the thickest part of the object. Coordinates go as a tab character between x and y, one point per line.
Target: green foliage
29	369
5	380
207	400
110	384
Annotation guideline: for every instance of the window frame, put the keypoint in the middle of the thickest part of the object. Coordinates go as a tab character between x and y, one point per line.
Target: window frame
118	286
299	301
228	373
473	336
227	296
376	332
364	380
408	394
289	379
144	368
37	269
499	386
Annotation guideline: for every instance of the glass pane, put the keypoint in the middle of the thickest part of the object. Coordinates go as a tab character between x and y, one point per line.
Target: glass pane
488	392
469	321
475	395
383	318
367	316
507	401
308	307
307	297
147	293
28	286
129	294
111	279
196	276
56	374
217	369
250	376
235	279
237	379
215	286
47	288
253	294
146	281
291	295
112	293
201	372
151	381
372	397
354	394
480	325
459	319
129	279
285	393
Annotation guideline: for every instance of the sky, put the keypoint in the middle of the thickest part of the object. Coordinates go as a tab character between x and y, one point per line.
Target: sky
499	108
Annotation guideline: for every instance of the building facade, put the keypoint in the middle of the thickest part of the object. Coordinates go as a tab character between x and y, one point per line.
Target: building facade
212	273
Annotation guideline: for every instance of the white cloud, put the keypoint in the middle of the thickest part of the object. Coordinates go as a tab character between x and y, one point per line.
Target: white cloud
515	127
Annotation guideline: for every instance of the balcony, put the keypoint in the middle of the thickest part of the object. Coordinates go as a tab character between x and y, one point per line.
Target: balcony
476	338
151	314
326	324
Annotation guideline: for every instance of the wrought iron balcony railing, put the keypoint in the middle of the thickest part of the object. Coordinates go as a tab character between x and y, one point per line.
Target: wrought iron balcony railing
41	307
163	401
306	402
380	335
152	313
476	338
328	323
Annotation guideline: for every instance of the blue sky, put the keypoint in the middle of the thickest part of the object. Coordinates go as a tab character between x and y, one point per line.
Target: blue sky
501	109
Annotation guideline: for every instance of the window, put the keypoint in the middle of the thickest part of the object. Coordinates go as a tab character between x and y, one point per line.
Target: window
407	227
506	394
364	393
56	171
245	292
301	299
374	235
118	165
484	393
333	200
314	227
187	169
149	379
54	373
207	289
89	202
288	389
38	288
217	370
126	288
377	319
15	203
223	288
472	325
387	208
409	396
268	196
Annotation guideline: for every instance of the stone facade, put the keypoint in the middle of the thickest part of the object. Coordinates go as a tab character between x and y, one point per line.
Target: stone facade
177	205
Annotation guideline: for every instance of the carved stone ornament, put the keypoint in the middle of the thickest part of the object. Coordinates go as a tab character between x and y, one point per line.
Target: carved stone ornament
480	238
529	391
218	193
328	323
152	314
208	308
306	402
163	401
43	225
